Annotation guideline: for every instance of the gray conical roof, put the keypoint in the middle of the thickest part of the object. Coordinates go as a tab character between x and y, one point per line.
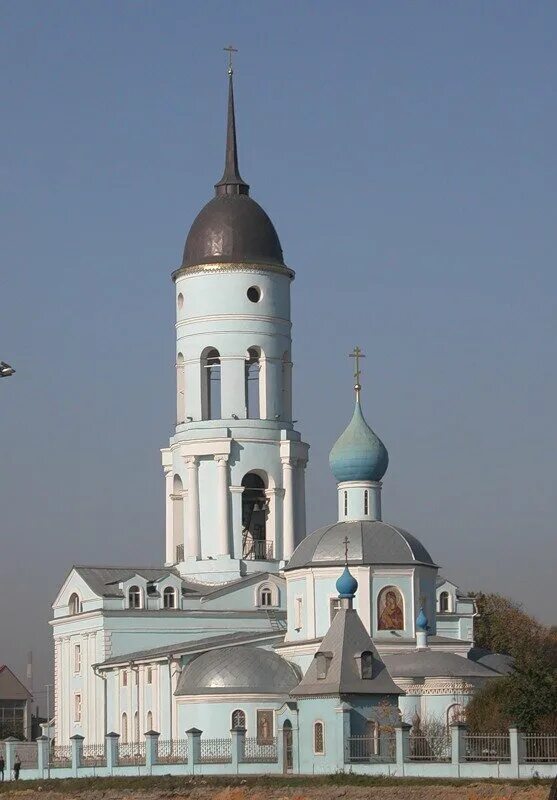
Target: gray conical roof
343	643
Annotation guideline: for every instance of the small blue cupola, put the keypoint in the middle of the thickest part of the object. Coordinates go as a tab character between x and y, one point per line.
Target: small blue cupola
347	585
422	626
359	460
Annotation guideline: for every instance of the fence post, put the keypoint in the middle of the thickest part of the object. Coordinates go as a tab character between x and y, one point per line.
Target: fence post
402	739
77	752
458	743
516	746
11	743
194	748
151	750
43	754
111	750
238	747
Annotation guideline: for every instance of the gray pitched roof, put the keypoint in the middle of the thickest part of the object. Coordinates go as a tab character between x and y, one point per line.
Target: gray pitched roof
371	542
195	646
344	641
433	664
246	670
498	662
104	581
247	580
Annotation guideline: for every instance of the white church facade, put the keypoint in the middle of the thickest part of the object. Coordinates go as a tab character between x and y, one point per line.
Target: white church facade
248	621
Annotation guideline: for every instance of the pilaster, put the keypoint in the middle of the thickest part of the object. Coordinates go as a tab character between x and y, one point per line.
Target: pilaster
193	544
223	525
288	479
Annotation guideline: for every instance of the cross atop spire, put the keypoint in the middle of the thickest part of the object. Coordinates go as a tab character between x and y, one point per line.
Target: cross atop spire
346	542
356	354
230	50
231	181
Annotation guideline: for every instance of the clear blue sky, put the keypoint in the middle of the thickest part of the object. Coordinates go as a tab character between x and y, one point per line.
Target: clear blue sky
406	153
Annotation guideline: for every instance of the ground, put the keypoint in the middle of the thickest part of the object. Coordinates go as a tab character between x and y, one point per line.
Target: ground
335	787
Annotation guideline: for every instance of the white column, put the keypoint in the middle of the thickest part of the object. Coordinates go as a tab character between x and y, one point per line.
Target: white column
237	492
169	487
300	501
273	526
193	544
223	546
288	525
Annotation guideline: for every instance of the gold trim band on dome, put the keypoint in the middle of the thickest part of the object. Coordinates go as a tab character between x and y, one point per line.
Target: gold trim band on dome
230	266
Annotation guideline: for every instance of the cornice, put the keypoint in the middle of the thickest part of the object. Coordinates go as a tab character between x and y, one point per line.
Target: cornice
207	269
225	317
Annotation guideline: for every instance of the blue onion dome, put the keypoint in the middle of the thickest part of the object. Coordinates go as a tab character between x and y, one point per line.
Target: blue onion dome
358	454
421	621
347	585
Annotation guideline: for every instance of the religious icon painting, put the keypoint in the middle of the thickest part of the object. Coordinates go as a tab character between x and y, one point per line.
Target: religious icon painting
390	610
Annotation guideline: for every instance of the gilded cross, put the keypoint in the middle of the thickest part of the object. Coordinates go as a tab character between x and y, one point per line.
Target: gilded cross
356	354
230	50
346	542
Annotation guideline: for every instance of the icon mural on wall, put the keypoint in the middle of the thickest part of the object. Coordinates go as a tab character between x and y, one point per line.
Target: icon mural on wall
390	610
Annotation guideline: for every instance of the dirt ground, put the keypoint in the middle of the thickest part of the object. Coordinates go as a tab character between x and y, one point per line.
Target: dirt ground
478	791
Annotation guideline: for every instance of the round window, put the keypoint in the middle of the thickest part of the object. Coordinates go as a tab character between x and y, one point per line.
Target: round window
254	294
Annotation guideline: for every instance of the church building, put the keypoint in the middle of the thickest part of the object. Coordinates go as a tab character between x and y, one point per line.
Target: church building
248	622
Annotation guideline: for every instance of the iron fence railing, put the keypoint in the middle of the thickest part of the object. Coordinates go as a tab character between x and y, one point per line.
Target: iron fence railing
93	755
172	751
27	752
424	747
61	755
260	752
540	747
374	749
131	753
487	747
257	550
216	751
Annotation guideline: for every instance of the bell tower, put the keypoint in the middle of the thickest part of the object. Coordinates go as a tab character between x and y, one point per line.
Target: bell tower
235	467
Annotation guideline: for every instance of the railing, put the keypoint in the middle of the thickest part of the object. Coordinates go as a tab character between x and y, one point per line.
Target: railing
61	755
425	747
179	553
257	550
487	747
172	751
216	751
131	754
540	747
27	752
372	749
93	755
260	752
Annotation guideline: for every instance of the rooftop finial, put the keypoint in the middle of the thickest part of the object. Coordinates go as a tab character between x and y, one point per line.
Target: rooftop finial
231	181
356	354
346	542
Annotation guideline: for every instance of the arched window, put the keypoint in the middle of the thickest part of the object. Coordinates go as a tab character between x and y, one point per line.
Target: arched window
254	519
136	726
265	596
74	604
367	665
178	518
210	384
180	389
455	713
149	721
134	597
366	502
345	504
390	610
253	369
444	602
169	597
238	719
124	728
318	738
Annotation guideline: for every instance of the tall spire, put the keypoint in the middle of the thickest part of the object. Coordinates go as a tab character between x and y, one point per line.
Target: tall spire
231	181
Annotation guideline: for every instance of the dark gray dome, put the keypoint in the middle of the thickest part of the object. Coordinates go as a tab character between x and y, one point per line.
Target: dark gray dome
371	542
238	669
232	228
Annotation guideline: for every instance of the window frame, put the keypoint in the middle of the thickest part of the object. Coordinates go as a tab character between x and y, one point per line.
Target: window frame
135	591
298	612
317	752
77	707
241	712
169	592
77	658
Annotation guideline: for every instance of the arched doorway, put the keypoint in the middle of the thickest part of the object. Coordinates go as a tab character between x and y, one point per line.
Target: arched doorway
255	546
287	740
